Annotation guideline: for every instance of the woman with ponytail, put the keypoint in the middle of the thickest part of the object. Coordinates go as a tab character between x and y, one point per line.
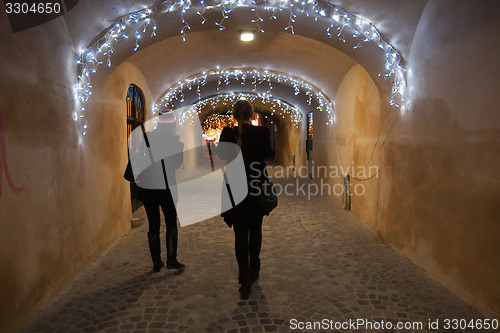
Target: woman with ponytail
245	218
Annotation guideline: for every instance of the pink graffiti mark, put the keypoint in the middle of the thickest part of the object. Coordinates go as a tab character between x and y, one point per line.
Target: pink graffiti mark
3	161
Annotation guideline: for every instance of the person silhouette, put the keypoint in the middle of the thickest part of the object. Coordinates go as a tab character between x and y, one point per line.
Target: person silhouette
154	191
245	218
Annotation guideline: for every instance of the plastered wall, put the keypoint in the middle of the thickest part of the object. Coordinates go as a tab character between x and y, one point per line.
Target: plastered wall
435	199
67	202
358	141
351	144
439	203
291	141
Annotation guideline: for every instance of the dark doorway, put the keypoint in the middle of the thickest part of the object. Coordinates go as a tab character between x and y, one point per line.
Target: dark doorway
135	117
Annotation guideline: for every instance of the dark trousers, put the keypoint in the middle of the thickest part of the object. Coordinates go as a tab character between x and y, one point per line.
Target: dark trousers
247	244
167	205
152	204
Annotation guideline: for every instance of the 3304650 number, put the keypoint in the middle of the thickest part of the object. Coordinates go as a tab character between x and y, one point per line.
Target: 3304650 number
36	8
474	324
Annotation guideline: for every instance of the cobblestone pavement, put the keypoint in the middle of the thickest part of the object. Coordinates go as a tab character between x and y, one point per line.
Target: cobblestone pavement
318	262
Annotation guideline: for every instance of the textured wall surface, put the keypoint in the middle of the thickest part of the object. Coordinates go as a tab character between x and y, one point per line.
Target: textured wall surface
291	141
435	198
355	136
37	225
73	202
439	203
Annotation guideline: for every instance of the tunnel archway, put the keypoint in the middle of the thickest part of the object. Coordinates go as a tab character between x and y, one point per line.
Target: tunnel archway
176	72
350	28
173	61
439	152
178	63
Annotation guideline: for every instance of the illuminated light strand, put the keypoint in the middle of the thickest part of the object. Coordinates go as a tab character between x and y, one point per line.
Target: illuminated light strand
140	22
203	19
259	18
277	107
291	19
175	94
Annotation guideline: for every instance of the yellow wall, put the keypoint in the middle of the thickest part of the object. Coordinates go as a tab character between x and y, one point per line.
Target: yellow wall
438	201
74	203
435	199
290	141
356	132
347	145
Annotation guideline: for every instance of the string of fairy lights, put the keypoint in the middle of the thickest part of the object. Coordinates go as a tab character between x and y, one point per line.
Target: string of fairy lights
256	79
277	107
141	25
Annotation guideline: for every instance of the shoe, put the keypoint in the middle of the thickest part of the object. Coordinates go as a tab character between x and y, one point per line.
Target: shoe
174	264
244	279
158	265
245	291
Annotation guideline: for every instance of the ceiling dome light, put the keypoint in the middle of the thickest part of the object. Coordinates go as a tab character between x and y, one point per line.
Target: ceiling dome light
247	36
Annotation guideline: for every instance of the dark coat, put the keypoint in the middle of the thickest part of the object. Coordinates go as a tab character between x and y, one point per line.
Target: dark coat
155	171
255	148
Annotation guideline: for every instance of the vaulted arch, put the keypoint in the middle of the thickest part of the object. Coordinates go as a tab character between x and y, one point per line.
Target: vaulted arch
314	19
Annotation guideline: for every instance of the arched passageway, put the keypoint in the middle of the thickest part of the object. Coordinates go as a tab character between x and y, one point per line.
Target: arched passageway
423	175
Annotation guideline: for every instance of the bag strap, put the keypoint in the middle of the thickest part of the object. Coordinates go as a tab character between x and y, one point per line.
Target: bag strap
147	144
150	153
228	188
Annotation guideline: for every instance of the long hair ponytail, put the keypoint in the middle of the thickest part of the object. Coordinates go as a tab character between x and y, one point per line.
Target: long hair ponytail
242	111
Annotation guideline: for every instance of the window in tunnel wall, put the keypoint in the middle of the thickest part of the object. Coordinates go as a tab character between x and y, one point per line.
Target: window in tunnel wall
135	117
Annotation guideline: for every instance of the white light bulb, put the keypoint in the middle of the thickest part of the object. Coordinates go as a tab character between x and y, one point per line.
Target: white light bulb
247	36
